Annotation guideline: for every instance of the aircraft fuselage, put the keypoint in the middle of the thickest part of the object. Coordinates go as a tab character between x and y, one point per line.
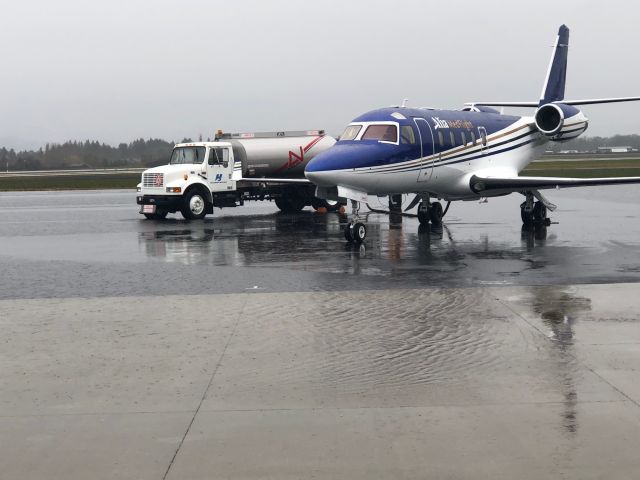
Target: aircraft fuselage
407	150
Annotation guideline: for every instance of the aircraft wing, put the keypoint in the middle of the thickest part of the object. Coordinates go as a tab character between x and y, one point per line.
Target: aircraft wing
516	184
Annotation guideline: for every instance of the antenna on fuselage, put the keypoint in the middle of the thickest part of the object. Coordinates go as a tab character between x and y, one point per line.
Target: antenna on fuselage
404	102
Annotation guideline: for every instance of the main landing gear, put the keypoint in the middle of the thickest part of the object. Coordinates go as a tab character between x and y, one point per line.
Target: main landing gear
355	230
532	212
430	212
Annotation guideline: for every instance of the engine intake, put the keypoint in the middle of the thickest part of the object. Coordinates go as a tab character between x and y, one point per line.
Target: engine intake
549	119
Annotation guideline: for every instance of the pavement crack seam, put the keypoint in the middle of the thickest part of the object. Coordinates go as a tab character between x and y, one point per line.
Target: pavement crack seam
206	390
584	365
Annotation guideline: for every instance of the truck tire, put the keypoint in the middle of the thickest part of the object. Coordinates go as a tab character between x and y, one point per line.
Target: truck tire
156	216
330	205
290	204
194	205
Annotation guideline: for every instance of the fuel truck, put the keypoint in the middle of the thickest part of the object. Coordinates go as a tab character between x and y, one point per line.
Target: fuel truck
227	173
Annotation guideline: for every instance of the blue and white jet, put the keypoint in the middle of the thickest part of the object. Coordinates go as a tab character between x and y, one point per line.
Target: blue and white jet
466	154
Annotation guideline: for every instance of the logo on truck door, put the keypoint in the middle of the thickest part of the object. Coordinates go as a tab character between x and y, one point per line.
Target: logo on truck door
296	158
218	177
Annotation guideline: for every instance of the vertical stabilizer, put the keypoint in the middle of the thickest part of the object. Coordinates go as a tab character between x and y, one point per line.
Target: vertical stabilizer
553	89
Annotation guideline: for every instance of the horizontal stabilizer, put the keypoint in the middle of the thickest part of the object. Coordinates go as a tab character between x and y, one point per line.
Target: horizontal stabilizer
591	101
584	101
516	184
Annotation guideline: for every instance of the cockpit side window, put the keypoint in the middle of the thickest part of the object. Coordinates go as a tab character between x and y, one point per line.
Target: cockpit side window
406	135
350	132
382	133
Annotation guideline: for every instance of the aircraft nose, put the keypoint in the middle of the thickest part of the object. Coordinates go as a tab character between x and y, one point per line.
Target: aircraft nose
328	168
320	169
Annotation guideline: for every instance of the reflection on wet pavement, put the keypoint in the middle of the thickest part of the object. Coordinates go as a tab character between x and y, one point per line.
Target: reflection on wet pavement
47	240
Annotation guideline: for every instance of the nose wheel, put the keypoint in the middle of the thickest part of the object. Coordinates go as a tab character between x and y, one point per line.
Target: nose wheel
355	231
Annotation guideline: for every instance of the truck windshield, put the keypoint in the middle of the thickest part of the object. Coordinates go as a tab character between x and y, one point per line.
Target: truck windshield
182	155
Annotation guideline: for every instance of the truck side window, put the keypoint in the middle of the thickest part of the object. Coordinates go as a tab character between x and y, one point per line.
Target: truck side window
218	156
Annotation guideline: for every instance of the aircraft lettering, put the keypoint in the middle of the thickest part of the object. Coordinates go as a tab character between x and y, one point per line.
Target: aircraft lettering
439	123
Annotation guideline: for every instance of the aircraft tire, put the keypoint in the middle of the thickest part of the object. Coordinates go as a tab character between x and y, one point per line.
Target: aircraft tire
423	215
435	213
359	232
348	232
527	217
539	212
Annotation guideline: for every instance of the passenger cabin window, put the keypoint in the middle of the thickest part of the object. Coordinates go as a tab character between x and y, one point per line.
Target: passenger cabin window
218	156
473	138
464	138
441	139
453	139
187	155
382	133
407	136
351	132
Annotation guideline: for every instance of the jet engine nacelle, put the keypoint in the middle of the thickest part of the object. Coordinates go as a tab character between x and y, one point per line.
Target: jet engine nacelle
560	122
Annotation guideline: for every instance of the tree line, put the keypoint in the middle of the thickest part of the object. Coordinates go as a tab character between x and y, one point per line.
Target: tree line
154	151
88	154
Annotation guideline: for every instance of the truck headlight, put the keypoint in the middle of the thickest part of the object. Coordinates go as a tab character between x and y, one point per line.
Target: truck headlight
138	188
174	189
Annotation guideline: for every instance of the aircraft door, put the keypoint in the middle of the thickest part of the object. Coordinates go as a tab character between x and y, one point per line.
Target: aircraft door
482	132
425	137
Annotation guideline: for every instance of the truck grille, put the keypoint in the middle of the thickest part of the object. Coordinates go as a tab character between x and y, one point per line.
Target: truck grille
153	180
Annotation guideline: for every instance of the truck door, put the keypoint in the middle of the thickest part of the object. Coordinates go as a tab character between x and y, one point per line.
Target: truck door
219	169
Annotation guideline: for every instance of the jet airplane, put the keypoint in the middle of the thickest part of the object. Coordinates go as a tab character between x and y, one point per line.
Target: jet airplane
450	155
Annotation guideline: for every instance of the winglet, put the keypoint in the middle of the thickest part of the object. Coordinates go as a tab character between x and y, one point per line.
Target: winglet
553	89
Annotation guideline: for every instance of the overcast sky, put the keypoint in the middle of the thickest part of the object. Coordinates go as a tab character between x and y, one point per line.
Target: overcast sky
119	70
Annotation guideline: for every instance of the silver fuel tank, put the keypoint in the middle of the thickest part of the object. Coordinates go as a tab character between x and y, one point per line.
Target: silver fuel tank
277	154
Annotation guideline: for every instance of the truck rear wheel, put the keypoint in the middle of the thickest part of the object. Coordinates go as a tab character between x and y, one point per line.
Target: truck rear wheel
330	205
194	205
290	204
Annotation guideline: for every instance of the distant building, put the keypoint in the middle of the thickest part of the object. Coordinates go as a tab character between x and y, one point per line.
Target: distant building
616	149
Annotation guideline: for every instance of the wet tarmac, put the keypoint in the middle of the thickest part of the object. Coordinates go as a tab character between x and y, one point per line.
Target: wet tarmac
90	244
261	345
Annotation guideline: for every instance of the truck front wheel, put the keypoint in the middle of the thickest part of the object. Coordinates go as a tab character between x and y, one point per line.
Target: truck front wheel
194	205
156	216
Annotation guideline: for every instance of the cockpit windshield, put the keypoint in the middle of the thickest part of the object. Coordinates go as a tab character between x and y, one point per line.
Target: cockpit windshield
189	155
383	133
351	132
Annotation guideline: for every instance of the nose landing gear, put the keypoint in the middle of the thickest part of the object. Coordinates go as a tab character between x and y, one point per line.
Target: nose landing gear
355	230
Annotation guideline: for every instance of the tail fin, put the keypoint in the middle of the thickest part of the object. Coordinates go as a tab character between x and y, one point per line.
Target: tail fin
553	89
